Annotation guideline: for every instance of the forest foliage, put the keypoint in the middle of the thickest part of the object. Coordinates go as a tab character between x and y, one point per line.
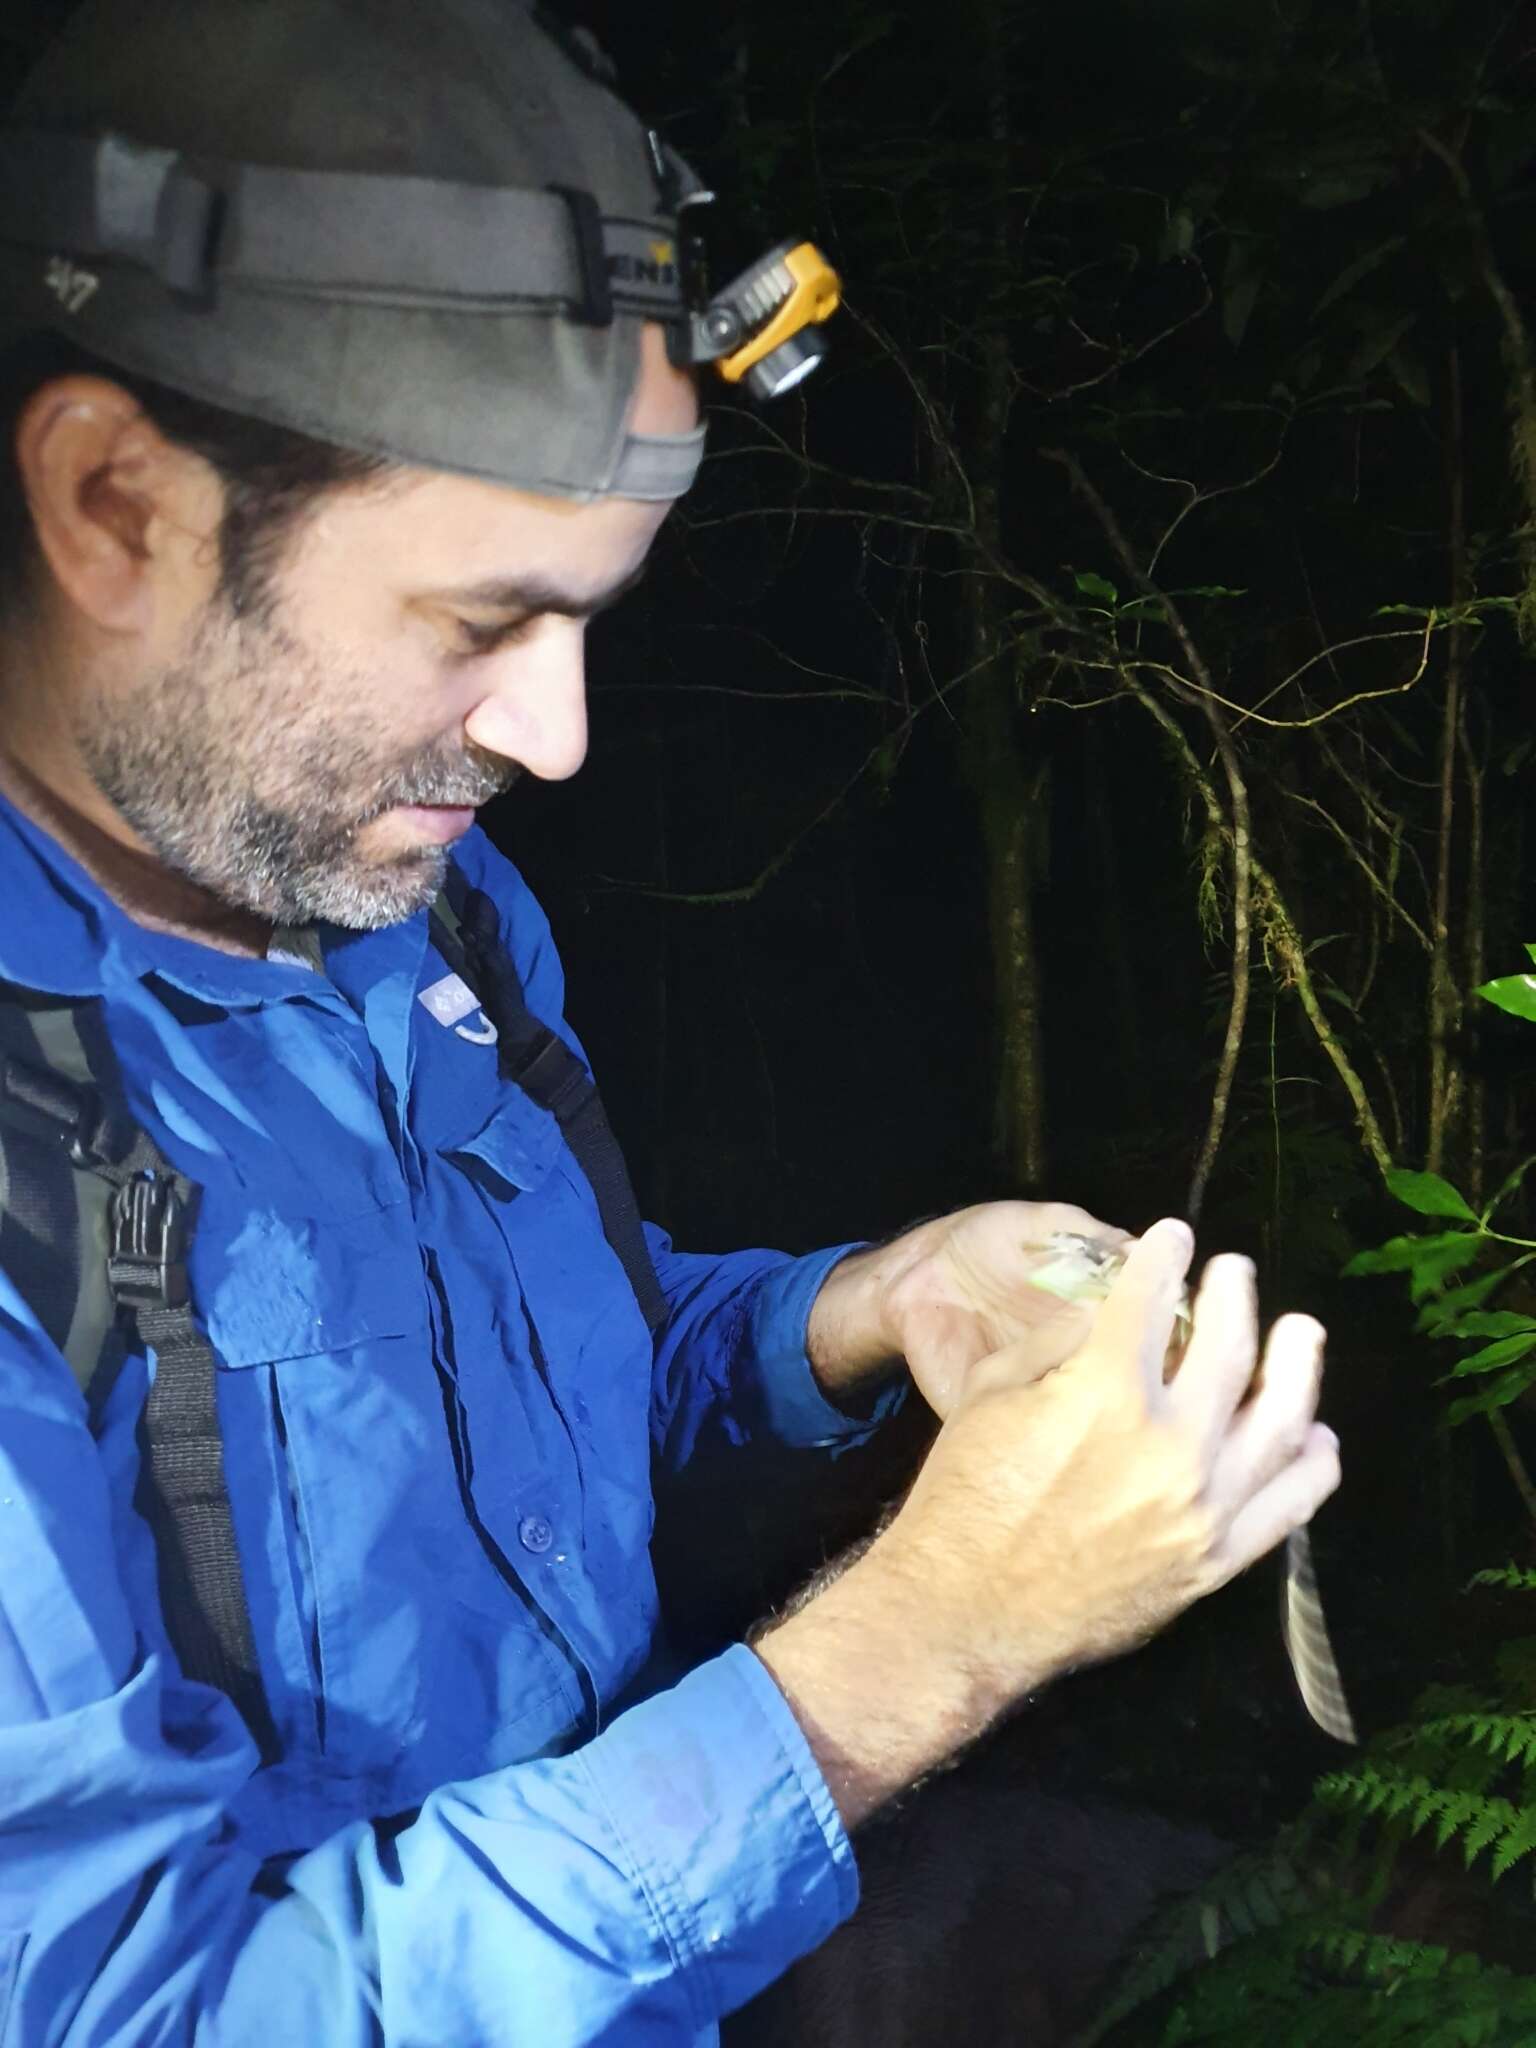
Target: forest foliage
1171	485
1144	601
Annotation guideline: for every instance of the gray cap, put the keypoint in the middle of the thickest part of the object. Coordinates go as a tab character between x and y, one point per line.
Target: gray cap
422	228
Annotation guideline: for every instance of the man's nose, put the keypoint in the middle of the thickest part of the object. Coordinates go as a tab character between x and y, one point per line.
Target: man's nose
534	710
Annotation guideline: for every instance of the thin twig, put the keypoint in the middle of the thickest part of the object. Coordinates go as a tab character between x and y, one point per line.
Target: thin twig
1237	835
1514	1463
1363	865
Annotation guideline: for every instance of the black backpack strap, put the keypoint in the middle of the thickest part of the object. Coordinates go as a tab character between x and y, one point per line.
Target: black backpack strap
53	1215
467	932
53	1129
182	1491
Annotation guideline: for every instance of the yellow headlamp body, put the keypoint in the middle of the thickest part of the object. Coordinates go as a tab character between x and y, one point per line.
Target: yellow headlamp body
799	289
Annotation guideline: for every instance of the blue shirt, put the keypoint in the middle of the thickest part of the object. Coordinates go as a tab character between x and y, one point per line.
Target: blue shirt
440	1408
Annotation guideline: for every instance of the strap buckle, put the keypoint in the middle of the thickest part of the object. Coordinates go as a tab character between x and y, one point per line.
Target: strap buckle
188	217
45	1105
595	306
147	1257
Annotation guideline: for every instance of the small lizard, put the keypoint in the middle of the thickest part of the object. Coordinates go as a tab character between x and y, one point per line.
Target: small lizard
1082	1269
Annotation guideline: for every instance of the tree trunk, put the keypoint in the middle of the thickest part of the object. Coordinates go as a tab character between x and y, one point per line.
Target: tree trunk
1004	804
999	774
1445	1001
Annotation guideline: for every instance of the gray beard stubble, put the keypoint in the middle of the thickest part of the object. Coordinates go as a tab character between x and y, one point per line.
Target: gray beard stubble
234	775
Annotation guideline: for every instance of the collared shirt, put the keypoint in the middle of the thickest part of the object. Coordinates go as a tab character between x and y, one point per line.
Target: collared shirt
440	1408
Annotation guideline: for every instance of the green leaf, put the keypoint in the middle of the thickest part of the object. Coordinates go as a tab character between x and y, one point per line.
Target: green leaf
1429	1260
1242	281
1352	273
1508	1185
1376	344
1489	1322
1343	188
1090	585
1494	1356
1429	1194
1513	992
1444	1312
1509	1386
1178	237
1449	1255
1410	375
1237	304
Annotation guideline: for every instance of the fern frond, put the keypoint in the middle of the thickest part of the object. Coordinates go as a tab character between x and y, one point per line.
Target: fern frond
1418	1803
1251	1900
1377	1958
1405	1995
1517	1842
1509	1737
1484	1831
1512	1578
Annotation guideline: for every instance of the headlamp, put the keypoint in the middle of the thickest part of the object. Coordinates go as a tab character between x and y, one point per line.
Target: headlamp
764	329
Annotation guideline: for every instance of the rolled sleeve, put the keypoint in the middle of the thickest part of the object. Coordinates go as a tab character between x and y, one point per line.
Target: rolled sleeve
727	1822
797	1412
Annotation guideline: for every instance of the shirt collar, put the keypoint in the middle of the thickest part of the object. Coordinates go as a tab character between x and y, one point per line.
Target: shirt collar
61	934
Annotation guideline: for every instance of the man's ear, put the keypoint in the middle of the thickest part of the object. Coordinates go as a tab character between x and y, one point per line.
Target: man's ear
112	501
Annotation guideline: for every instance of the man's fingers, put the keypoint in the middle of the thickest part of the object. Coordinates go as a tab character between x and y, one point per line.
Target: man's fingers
1291	1498
1050	1219
1223	1347
1136	1320
1271	1429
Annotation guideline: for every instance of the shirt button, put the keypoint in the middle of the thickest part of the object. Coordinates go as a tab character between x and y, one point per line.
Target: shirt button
534	1533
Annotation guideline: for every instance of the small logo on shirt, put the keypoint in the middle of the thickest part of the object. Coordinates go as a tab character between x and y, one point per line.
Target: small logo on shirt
450	1001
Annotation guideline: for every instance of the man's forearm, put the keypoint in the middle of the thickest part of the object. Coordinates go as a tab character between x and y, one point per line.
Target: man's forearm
879	1706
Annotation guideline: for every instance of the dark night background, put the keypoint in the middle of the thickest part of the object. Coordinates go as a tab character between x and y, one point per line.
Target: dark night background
884	890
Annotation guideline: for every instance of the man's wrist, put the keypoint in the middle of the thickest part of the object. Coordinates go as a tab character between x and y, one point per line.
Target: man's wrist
852	1350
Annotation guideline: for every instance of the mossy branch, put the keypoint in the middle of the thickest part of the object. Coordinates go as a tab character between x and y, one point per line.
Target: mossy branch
1278	925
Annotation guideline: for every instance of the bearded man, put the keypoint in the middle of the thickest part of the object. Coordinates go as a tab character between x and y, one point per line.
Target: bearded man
332	1694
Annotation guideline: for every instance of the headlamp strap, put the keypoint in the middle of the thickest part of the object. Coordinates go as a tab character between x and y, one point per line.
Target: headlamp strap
332	234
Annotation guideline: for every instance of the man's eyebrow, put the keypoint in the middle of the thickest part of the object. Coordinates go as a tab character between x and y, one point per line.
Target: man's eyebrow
534	594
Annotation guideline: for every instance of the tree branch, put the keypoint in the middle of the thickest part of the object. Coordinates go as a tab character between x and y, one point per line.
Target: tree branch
1237	835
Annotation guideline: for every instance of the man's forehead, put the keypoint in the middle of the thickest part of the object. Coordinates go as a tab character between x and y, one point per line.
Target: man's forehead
433	537
536	592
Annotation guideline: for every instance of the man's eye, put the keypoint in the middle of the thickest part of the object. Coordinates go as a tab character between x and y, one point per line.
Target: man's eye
483	639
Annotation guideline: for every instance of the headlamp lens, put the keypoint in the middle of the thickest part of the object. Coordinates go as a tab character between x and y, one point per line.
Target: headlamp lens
788	365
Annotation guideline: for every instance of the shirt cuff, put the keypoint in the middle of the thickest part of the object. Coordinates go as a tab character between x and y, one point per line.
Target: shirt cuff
797	1412
721	1808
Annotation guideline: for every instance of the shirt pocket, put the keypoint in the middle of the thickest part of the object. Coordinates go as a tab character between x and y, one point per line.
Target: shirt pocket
578	1350
327	1407
513	1151
271	1284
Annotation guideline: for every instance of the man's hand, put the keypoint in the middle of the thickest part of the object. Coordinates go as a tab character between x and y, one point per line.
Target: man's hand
1060	1520
949	1293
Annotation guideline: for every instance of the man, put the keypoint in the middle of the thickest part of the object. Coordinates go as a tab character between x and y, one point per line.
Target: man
304	536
